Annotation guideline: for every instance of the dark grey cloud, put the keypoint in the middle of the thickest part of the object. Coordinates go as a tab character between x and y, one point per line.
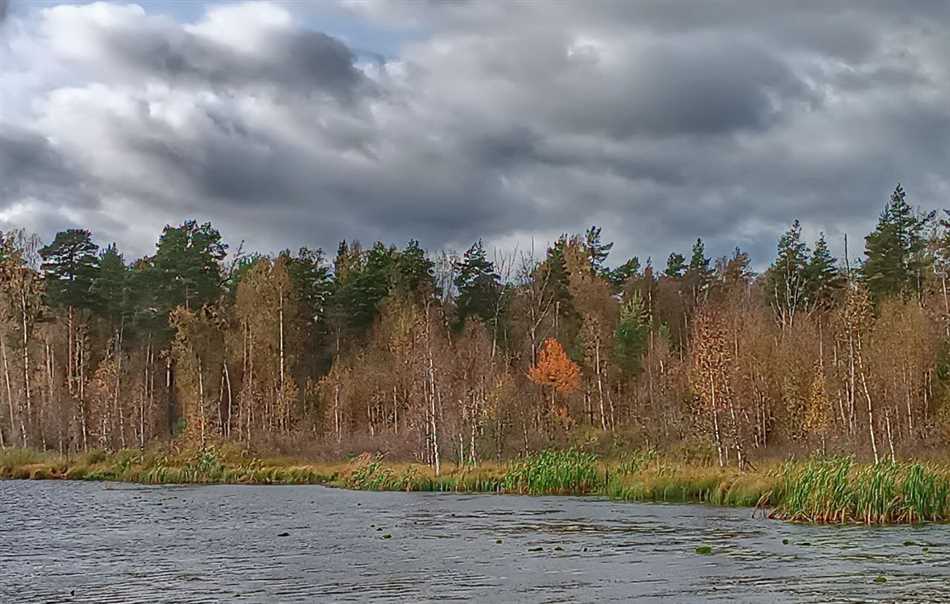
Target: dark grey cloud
135	47
30	167
709	88
510	121
301	61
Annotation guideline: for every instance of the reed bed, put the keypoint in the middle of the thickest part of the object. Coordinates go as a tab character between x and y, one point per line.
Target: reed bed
837	490
371	473
676	484
569	472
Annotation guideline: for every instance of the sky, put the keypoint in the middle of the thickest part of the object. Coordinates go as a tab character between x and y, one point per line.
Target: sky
304	123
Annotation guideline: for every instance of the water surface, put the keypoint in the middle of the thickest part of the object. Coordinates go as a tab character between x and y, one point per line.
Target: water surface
104	542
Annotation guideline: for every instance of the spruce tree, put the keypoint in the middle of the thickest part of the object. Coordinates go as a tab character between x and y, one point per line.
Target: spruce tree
632	334
823	278
698	273
310	277
479	287
786	281
895	252
113	286
413	271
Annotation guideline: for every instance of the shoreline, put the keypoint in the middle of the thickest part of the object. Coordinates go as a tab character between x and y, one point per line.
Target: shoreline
819	491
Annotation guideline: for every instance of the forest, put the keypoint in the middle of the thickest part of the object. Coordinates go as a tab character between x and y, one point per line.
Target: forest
442	358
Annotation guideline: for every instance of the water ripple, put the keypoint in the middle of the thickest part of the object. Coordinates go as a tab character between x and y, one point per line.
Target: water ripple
96	542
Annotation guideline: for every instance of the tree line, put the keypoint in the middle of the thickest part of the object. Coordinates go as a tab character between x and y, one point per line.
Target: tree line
444	358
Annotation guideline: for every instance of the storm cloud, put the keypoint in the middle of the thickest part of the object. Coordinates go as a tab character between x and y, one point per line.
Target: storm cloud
285	125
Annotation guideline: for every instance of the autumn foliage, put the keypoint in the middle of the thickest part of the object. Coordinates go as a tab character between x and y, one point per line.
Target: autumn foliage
555	369
437	358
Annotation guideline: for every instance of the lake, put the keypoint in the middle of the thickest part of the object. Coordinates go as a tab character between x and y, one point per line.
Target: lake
107	542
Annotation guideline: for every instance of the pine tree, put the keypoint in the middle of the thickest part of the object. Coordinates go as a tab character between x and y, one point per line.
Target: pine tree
698	262
786	281
675	266
823	278
597	250
554	269
371	284
735	270
186	268
619	276
479	287
413	272
698	273
631	337
896	261
554	276
311	282
112	286
70	266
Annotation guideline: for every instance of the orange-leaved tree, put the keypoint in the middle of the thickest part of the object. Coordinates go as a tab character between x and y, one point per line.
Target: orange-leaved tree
555	370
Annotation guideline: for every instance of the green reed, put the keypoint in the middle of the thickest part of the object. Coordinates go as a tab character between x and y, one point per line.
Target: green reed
569	472
837	490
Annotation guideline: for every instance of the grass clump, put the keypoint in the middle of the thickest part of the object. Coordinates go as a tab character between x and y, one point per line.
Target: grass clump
30	464
636	462
569	472
681	484
13	459
370	475
836	490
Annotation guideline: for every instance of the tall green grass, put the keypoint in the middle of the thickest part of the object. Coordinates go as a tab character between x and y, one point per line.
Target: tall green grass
569	472
837	490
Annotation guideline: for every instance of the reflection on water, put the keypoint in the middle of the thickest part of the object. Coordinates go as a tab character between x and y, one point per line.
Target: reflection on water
95	542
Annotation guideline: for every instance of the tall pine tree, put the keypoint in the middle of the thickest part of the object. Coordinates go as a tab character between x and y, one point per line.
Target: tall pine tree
597	250
70	266
698	273
186	268
479	287
786	281
824	279
113	286
675	266
895	252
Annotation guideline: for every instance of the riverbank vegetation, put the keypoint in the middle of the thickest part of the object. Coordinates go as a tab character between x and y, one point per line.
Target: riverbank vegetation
818	490
476	369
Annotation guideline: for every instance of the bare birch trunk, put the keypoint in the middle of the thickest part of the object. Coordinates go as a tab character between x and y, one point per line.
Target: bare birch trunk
83	418
600	386
890	434
6	379
26	372
867	394
281	401
230	407
201	402
432	392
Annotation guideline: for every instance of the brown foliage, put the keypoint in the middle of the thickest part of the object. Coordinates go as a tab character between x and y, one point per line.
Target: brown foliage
555	369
